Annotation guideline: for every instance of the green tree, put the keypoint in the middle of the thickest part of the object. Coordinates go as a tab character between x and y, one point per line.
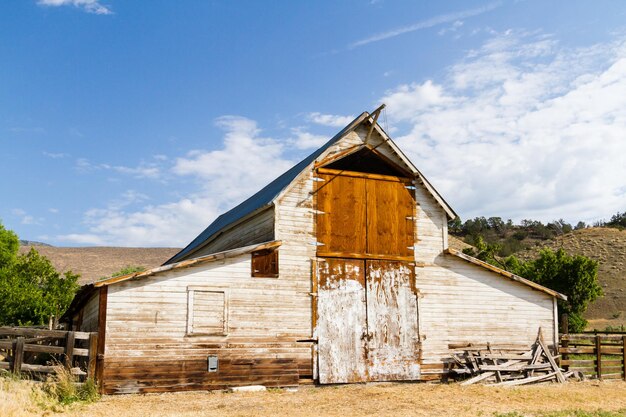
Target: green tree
129	269
575	276
31	290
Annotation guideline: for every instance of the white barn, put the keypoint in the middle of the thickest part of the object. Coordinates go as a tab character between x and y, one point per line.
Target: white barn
338	271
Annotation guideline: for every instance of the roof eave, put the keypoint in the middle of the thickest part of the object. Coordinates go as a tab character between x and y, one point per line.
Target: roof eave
189	263
504	273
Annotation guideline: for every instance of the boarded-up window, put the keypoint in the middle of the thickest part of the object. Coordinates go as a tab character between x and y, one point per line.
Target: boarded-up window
265	263
207	311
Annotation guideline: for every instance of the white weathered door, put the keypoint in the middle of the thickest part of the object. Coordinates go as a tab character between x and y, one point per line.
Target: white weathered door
393	340
341	325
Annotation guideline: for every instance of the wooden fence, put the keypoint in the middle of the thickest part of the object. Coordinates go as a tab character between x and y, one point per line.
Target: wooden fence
40	352
601	356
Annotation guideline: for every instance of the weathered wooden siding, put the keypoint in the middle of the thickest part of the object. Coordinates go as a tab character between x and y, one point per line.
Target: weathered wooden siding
148	348
460	302
90	315
431	227
257	229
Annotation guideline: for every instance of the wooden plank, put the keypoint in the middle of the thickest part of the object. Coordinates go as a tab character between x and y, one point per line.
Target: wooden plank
18	354
599	357
8	344
93	351
624	357
69	349
32	332
478	378
27	367
322	253
557	370
102	324
364	175
528	380
591	336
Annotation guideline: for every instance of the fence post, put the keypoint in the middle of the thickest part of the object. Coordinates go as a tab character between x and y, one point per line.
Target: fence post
624	357
598	356
69	349
93	353
18	355
564	324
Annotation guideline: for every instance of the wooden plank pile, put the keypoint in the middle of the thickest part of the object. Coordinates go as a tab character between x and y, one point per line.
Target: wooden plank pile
508	367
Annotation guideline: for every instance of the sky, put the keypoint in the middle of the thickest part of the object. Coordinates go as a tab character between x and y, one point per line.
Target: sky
136	123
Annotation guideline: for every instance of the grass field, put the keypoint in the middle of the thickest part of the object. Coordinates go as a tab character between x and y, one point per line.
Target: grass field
591	398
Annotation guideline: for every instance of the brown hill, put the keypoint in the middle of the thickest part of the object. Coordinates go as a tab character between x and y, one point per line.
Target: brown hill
456	243
608	247
93	263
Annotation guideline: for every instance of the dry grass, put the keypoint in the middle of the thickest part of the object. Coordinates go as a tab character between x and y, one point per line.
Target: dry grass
375	399
21	398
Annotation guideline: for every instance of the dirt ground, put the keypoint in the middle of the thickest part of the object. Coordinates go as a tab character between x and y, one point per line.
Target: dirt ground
391	399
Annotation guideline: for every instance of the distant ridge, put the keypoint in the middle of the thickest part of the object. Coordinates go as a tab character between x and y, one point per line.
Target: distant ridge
32	243
93	263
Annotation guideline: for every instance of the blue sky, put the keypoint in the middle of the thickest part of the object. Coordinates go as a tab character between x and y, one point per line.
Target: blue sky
136	123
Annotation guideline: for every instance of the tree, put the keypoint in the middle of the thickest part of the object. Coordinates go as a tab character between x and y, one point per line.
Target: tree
575	276
31	290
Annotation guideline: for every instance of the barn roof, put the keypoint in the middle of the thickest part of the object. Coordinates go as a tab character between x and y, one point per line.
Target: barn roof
266	196
504	273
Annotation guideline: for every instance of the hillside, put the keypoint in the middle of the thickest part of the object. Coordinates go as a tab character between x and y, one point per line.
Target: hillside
93	263
608	246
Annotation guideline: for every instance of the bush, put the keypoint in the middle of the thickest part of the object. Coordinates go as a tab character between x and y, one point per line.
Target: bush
63	386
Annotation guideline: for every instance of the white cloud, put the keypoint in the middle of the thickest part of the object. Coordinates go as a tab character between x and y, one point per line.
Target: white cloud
456	25
306	140
26	218
90	6
428	23
53	210
55	155
18	129
225	177
331	120
149	170
522	128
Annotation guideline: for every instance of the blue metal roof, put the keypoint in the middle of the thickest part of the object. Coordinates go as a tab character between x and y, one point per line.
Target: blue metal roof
261	199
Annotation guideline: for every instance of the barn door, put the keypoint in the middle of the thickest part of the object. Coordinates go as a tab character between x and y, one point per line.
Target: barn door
393	346
341	325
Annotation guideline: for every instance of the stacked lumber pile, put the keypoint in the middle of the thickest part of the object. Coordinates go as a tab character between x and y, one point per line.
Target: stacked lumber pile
508	367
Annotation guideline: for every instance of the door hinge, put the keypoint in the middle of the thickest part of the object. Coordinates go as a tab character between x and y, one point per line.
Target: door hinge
316	244
410	187
318	179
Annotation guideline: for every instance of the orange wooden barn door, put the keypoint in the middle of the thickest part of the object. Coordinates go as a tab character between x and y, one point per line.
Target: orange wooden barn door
341	325
341	223
390	210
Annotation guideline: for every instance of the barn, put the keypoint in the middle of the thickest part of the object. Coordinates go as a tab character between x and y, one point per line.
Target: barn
338	271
